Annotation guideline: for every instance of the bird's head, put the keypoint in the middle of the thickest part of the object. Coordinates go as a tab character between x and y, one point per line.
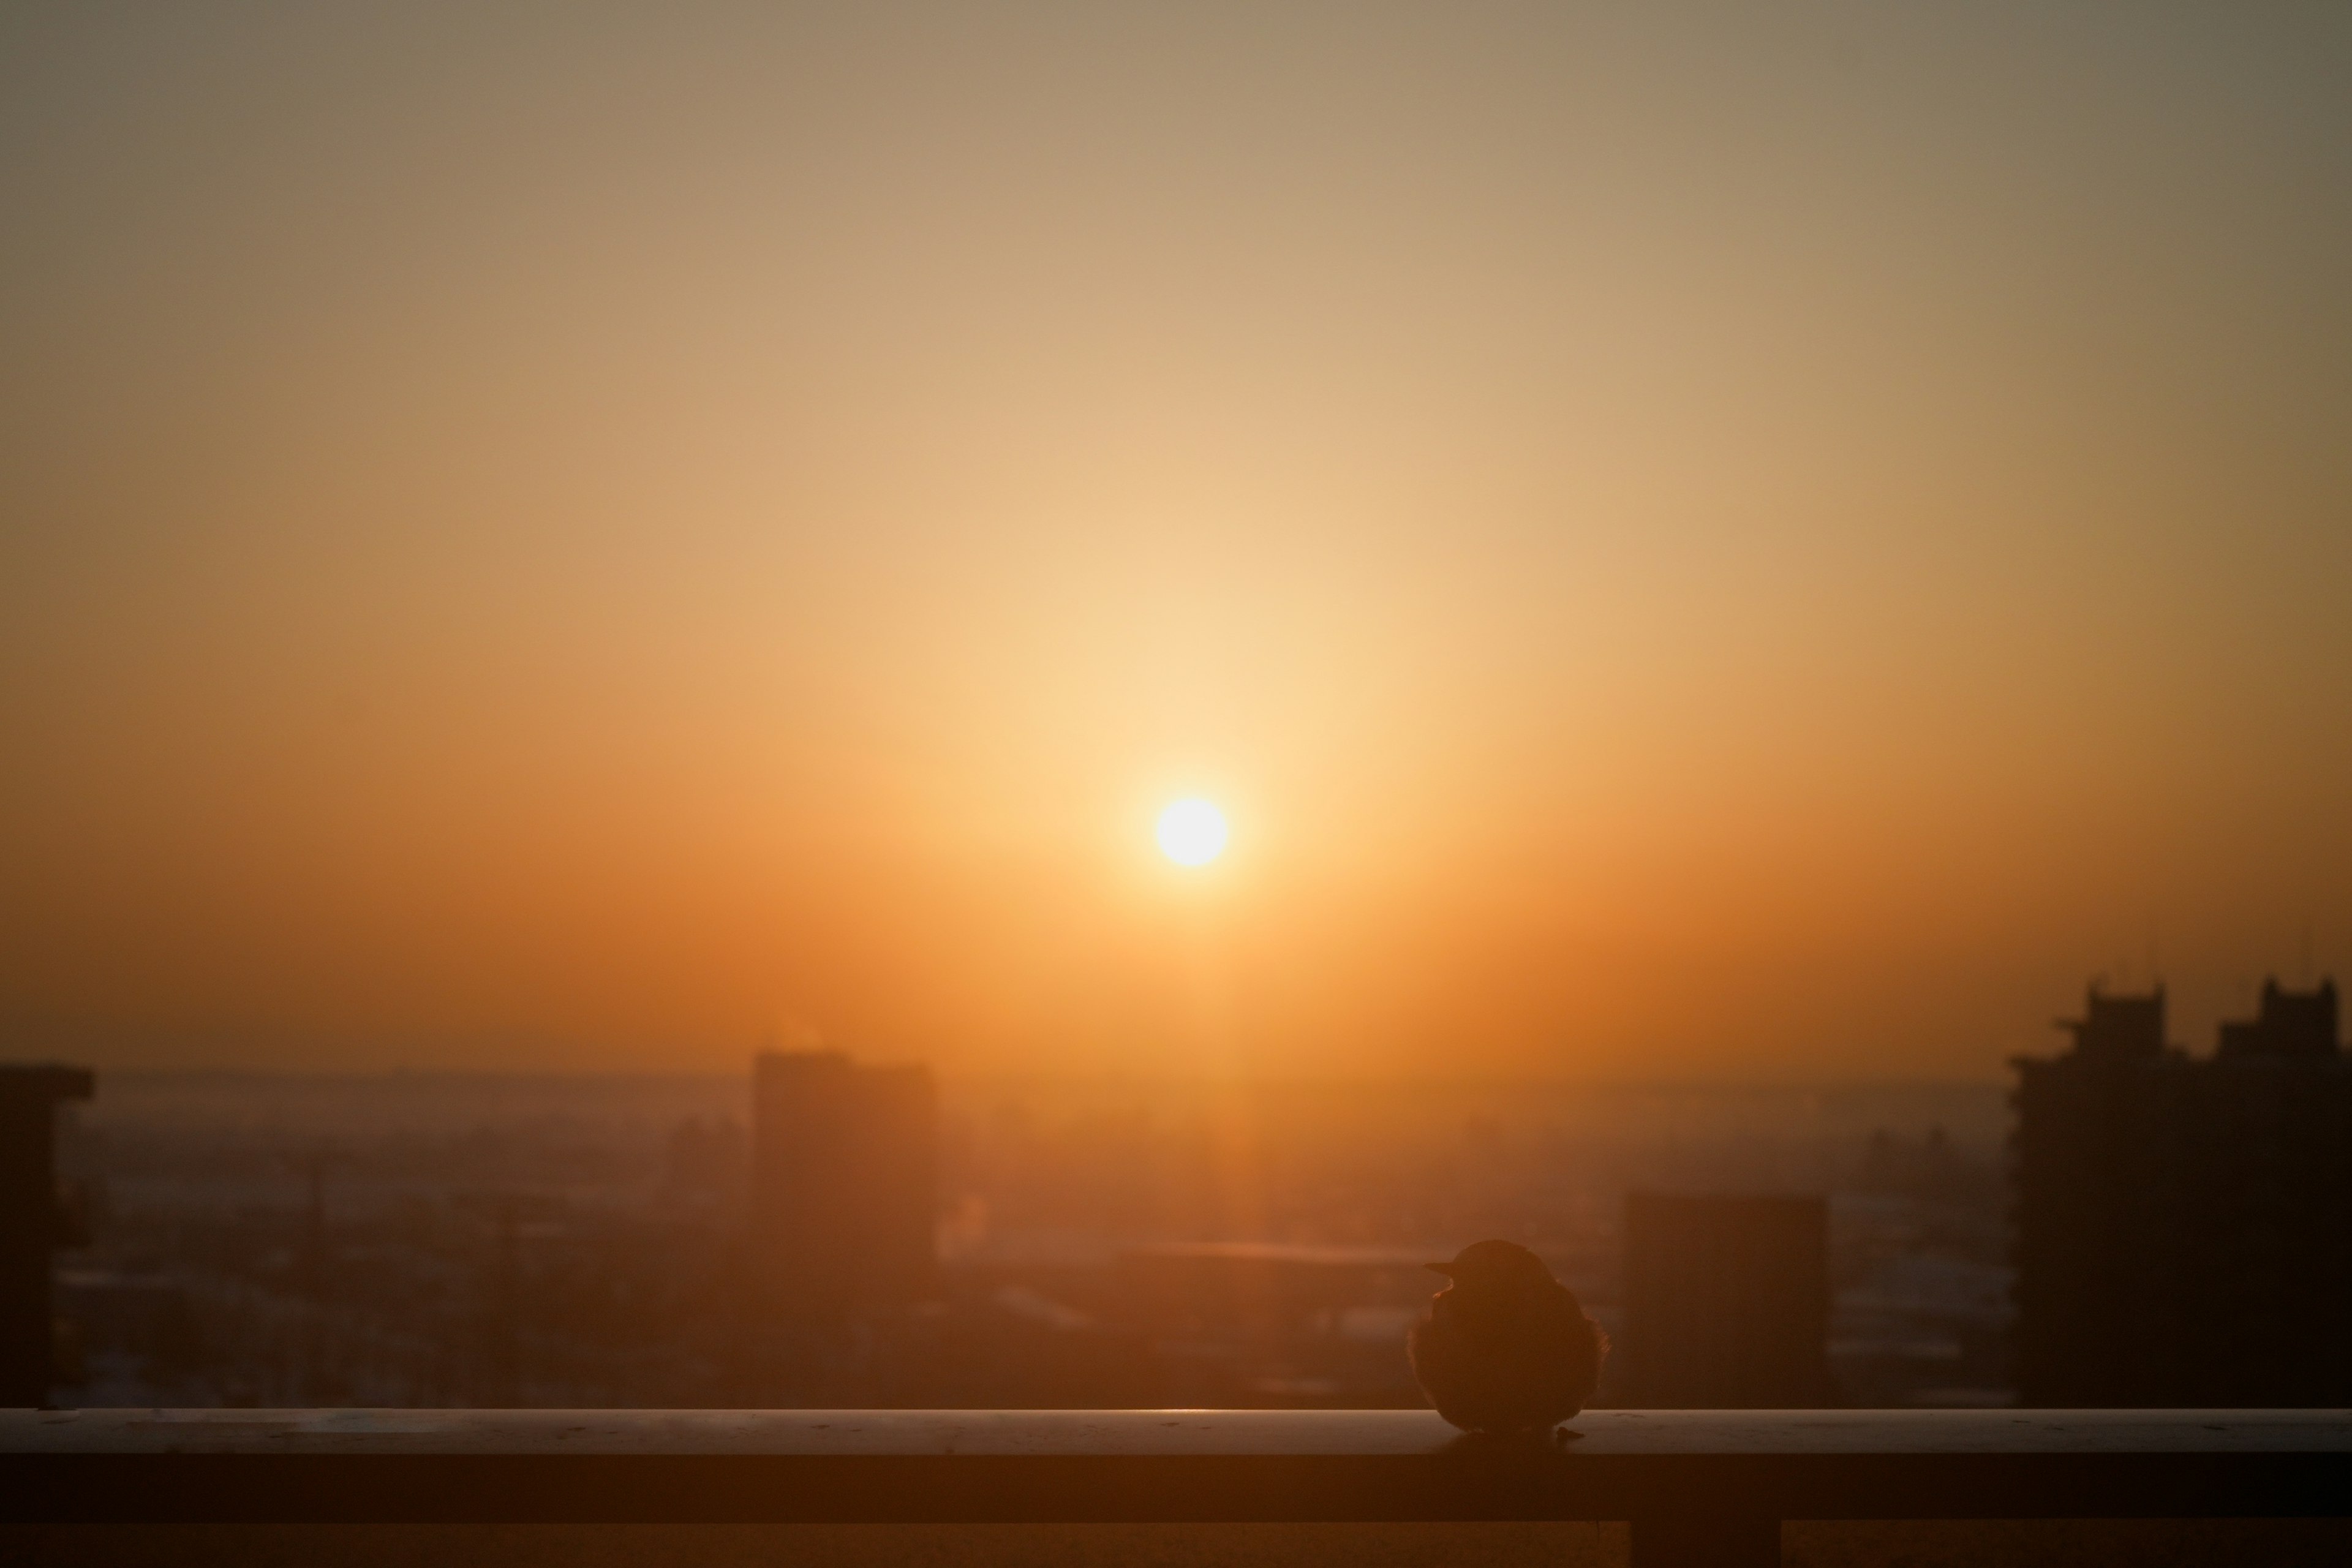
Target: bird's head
1493	1266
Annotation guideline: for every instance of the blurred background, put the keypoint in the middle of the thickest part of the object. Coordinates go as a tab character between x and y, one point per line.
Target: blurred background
598	605
439	1241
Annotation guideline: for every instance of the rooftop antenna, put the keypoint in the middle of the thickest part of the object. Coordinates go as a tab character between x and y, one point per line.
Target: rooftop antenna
2306	952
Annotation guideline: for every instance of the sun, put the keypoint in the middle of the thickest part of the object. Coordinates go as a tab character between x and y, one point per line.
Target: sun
1192	832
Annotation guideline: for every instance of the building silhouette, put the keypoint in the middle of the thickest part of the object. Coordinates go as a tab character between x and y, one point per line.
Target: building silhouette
2183	1226
845	1185
33	1223
2295	1025
1726	1302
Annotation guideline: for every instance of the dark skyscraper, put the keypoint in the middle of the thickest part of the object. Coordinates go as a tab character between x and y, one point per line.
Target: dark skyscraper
2184	1227
843	1183
33	1223
1726	1302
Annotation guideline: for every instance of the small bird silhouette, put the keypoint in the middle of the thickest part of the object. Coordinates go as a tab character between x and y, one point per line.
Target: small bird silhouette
1506	1348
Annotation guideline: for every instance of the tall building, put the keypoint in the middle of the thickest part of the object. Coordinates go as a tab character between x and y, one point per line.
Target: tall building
1726	1302
2184	1226
33	1223
845	1183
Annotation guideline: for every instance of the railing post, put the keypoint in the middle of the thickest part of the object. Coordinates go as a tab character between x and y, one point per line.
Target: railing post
1697	1540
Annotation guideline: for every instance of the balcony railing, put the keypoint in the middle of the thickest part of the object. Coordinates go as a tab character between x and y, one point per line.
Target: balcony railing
1699	1487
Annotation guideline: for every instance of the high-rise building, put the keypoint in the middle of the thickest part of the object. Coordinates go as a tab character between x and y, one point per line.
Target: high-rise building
844	1183
33	1223
1726	1302
2184	1226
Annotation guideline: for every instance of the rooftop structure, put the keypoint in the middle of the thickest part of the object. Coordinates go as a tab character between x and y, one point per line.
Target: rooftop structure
2180	1223
2292	1025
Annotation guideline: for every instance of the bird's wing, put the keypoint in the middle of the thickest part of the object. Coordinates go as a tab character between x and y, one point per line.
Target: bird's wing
1446	1365
1574	1343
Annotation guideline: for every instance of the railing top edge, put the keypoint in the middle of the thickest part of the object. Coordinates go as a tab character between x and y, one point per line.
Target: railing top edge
1165	1434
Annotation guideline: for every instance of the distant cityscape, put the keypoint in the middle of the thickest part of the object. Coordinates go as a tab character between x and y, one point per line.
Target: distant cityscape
2134	1225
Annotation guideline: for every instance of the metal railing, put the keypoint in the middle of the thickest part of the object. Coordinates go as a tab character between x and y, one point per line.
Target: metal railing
1698	1486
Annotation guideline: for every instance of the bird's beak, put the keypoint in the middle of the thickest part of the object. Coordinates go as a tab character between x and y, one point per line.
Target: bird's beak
1444	1269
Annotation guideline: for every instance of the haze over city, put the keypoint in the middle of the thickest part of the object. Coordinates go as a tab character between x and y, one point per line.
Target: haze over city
1730	544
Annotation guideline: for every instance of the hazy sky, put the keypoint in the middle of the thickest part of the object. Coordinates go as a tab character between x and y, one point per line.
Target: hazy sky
1769	540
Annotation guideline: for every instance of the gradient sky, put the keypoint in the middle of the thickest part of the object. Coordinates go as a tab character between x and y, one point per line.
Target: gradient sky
1760	541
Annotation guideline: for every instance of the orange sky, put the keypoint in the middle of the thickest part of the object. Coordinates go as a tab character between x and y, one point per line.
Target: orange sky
1752	542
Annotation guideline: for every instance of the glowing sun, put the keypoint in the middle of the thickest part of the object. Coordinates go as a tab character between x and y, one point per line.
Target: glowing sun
1192	832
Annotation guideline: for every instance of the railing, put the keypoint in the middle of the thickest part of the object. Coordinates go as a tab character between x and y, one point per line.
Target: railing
1699	1487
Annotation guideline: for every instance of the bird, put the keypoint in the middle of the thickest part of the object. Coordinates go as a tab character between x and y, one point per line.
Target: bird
1506	1349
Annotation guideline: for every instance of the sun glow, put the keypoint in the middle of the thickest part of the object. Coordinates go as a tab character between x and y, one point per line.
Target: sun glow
1192	832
